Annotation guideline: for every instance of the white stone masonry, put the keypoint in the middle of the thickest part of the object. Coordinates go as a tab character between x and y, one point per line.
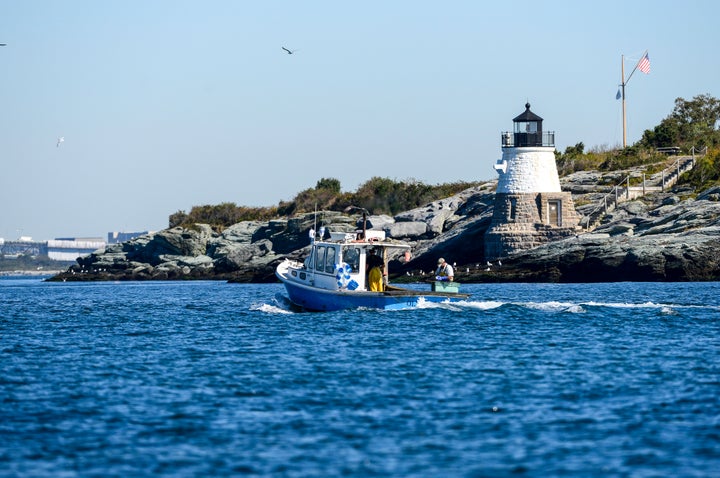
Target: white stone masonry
528	170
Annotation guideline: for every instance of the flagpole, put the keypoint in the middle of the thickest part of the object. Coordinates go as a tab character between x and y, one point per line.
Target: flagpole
622	85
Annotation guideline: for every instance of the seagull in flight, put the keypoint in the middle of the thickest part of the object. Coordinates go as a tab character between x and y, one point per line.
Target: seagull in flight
289	52
61	139
3	44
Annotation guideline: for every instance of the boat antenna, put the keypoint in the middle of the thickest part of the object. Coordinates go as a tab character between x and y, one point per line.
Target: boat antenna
315	219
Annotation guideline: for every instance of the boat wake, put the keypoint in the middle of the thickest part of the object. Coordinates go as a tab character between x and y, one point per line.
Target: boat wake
560	307
282	305
279	305
554	306
582	307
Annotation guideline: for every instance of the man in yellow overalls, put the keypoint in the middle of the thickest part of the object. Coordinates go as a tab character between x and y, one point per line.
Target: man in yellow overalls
375	280
375	276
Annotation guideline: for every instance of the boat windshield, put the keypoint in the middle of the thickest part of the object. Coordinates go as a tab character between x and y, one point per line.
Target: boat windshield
351	256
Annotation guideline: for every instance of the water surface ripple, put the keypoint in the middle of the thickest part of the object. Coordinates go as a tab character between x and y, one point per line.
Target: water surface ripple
213	379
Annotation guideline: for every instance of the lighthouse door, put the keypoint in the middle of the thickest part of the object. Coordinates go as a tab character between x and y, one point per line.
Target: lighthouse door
554	213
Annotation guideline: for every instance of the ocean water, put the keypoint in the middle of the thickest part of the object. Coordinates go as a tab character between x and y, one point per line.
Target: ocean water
216	379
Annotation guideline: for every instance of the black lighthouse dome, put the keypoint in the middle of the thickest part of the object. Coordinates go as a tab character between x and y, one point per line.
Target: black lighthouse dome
527	131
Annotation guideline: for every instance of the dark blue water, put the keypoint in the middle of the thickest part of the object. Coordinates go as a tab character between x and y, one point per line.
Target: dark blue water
213	379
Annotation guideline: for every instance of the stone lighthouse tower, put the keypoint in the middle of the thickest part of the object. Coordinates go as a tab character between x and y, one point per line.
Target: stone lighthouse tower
530	209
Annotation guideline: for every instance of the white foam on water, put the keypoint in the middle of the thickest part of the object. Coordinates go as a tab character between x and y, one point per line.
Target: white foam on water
270	309
481	305
279	305
426	304
625	305
664	308
551	306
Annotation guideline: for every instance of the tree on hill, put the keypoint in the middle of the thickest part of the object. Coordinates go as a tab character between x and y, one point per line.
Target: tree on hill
576	159
221	215
326	195
692	123
377	195
706	172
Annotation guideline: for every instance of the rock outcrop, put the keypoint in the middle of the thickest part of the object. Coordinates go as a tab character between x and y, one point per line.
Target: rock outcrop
657	238
669	236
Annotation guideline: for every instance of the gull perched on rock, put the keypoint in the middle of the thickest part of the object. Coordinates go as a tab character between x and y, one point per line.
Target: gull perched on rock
61	139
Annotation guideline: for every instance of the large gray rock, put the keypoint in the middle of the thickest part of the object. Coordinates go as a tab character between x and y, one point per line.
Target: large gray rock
176	241
433	215
249	256
241	232
616	259
407	230
381	222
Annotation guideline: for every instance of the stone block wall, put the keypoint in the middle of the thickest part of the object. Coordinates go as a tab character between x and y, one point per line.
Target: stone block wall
521	222
500	244
568	215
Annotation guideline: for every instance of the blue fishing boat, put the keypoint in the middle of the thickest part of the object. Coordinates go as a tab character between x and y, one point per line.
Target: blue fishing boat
349	270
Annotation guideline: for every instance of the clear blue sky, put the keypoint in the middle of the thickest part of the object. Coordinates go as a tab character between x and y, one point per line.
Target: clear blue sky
168	104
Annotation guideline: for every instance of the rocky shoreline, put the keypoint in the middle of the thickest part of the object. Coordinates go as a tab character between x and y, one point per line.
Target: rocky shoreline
664	236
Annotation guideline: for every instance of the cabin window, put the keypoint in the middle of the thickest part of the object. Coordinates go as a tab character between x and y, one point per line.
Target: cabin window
330	260
351	256
320	257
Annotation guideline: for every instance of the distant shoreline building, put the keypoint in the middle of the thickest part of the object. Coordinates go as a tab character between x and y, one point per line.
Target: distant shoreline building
530	208
70	248
23	246
66	249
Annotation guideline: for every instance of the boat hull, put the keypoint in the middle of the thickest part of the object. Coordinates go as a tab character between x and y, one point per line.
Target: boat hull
320	300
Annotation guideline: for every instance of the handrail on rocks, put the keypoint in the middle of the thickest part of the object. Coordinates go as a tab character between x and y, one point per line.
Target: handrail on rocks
603	207
622	191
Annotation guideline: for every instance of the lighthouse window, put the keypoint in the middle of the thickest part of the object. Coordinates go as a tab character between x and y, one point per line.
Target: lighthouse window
513	208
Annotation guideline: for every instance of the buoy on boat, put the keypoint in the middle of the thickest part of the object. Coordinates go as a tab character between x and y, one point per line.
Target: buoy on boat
342	274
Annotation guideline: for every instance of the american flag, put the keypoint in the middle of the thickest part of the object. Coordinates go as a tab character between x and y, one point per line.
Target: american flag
644	64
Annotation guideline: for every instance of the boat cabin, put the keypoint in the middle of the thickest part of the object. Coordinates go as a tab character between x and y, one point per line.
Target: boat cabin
339	263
